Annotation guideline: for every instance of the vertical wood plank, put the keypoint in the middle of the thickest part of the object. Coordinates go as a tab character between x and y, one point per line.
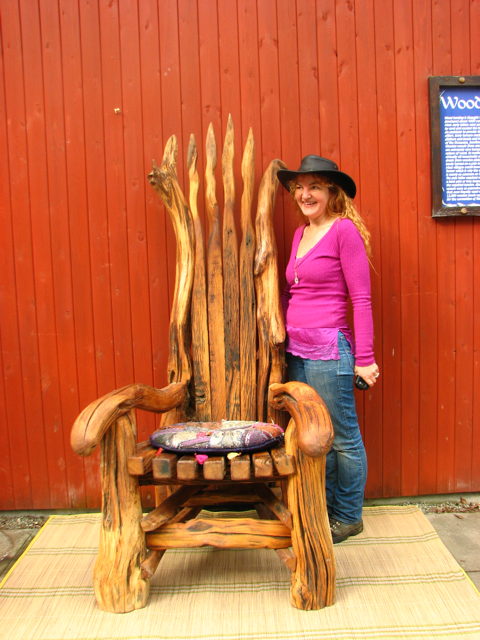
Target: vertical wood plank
135	185
407	175
308	63
82	31
464	285
271	108
159	276
11	393
389	268
249	72
446	264
116	197
370	414
200	342
328	84
37	185
270	323
216	330
164	180
347	88
427	254
475	69
269	82
290	149
89	253
60	244
190	83
348	119
248	335
172	99
211	109
230	76
231	292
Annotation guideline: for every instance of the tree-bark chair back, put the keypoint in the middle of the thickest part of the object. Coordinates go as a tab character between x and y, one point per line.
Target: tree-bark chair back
225	362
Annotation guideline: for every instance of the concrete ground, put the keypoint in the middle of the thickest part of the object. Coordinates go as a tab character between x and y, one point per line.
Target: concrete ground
460	533
456	520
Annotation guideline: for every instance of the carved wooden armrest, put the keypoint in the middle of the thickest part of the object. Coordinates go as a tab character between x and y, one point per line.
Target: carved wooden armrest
315	430
95	420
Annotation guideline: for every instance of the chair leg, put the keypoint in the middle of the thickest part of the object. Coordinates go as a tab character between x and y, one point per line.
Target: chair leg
313	580
118	582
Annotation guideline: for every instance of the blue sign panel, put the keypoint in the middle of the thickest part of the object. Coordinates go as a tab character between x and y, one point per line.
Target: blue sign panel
460	146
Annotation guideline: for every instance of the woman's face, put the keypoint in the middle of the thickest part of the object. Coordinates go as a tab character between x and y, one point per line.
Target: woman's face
311	194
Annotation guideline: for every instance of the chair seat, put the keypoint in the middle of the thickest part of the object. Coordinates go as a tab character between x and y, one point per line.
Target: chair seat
218	437
178	468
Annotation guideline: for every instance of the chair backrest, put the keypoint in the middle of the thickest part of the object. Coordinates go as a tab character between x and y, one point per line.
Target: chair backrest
226	324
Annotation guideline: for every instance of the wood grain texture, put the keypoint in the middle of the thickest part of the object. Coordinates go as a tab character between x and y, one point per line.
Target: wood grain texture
314	426
141	462
248	339
308	438
270	323
164	180
169	508
313	580
95	420
199	318
276	506
118	580
231	298
164	466
226	533
215	468
216	325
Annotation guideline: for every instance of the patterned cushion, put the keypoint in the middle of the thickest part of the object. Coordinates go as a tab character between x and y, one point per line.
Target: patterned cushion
217	437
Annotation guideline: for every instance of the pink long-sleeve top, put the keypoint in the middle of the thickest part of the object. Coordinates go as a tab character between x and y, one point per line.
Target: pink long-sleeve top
319	285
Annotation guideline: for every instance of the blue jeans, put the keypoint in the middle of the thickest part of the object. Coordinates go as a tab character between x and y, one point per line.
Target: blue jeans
346	473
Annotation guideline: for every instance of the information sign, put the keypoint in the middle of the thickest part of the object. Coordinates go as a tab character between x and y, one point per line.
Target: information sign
455	140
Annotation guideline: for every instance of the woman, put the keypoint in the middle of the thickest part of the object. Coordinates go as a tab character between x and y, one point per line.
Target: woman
327	267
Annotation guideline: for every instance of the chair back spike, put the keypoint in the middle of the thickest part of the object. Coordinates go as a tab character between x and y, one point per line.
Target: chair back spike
231	349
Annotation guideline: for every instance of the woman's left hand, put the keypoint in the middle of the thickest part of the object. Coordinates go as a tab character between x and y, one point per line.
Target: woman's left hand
369	374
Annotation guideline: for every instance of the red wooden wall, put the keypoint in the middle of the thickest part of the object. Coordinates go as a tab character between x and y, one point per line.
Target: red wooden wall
87	251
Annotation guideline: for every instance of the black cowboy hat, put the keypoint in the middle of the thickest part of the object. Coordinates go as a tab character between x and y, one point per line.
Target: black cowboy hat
323	166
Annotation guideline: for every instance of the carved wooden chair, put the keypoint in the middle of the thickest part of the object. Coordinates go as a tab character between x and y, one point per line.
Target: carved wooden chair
225	361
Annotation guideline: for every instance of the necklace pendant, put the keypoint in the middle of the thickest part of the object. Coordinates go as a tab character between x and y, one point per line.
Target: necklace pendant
296	279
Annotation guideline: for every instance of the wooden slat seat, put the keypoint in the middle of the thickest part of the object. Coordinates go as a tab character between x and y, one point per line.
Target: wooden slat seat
141	462
225	362
273	464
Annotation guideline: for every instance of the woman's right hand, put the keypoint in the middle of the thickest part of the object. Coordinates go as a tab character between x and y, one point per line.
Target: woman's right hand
369	373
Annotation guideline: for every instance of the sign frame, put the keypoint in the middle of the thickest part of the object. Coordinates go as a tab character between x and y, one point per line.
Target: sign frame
439	208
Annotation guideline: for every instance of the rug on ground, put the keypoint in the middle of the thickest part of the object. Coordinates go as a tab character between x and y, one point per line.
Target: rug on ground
395	580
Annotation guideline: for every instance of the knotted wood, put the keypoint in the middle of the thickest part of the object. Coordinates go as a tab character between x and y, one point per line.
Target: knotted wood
226	533
164	180
225	317
313	580
118	580
216	324
96	419
248	334
271	327
314	427
231	298
200	344
308	438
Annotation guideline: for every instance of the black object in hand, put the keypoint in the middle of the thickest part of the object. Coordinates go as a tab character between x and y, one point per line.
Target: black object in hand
360	383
